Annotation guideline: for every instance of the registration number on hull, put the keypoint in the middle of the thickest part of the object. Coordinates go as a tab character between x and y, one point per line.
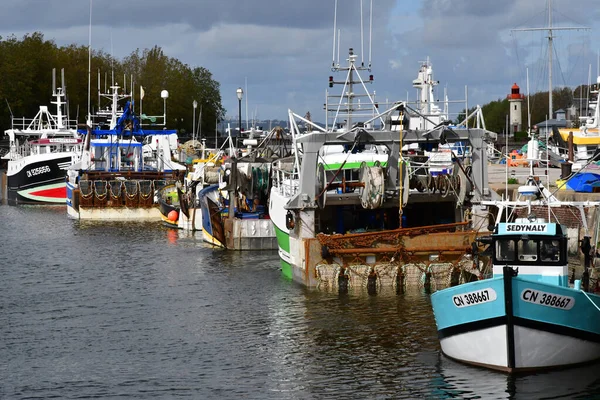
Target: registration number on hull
474	298
37	171
547	299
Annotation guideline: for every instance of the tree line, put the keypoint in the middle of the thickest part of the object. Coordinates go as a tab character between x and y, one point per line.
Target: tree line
26	82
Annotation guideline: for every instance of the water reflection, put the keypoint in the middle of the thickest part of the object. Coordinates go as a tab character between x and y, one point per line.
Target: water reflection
137	310
457	380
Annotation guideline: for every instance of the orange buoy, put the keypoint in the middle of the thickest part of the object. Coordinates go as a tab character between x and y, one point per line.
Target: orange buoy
173	215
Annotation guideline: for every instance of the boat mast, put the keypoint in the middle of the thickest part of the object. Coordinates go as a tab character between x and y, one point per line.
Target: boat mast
550	38
58	93
89	119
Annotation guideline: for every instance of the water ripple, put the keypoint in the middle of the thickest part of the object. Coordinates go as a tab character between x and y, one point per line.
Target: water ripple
115	311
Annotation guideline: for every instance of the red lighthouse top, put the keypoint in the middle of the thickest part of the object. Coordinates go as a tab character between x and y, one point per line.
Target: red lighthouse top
514	93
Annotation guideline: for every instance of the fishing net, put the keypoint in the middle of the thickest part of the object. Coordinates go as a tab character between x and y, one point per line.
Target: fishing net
211	174
146	193
131	193
100	193
116	193
391	274
86	193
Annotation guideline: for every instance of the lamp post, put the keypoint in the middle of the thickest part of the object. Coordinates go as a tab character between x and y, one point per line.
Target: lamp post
240	94
165	95
195	104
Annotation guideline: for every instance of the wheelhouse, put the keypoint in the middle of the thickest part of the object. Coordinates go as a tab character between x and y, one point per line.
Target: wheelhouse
537	250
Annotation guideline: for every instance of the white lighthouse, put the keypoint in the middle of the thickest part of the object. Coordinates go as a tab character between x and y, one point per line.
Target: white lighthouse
515	101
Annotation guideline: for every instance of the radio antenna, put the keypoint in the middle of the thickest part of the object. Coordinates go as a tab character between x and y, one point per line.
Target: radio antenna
370	32
362	40
334	36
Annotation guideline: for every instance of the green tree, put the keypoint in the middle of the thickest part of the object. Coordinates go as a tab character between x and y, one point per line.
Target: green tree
26	69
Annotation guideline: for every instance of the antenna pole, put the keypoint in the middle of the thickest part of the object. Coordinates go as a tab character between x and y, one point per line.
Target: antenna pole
528	109
334	32
362	41
507	158
550	38
98	88
466	106
53	80
338	45
589	83
371	32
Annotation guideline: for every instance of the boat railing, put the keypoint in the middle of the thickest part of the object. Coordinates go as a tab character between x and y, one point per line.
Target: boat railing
28	149
431	166
23	123
285	178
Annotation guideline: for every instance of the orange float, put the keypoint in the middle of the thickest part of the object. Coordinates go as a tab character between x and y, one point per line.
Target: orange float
173	215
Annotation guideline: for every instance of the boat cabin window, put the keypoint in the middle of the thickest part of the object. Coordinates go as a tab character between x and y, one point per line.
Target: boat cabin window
550	250
505	250
527	250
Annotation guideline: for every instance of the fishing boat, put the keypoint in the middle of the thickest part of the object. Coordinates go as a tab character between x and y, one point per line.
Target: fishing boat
180	204
202	203
114	180
354	207
235	212
526	316
582	144
40	150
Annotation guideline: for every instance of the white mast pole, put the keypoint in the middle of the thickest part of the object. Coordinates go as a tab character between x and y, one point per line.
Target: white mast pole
466	106
338	47
371	32
589	83
89	119
334	34
362	40
98	88
550	28
528	109
506	155
550	108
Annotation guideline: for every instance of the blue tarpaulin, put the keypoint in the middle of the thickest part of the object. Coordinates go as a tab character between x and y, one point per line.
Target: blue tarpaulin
584	182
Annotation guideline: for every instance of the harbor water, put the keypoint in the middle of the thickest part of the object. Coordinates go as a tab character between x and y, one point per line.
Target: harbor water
118	311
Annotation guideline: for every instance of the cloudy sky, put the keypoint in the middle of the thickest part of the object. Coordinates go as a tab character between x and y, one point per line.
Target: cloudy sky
283	48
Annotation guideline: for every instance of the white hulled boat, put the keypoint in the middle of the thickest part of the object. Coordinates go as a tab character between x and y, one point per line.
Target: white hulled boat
40	151
115	178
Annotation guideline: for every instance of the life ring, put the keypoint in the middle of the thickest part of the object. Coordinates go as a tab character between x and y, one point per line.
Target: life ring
289	220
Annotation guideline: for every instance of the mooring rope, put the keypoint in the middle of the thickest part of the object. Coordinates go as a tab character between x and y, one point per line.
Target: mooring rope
591	301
